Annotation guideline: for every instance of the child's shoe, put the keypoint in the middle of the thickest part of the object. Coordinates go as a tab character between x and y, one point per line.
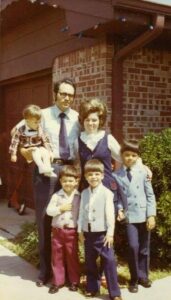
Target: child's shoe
50	174
73	287
90	294
53	289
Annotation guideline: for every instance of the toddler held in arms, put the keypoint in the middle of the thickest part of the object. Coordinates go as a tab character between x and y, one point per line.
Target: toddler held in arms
29	134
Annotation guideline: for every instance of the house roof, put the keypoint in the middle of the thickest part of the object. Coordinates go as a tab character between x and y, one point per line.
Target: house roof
119	19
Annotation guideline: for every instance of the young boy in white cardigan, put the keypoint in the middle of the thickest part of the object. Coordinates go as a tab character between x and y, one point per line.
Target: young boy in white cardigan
96	227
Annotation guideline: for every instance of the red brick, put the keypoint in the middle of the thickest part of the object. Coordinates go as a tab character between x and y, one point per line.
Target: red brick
154	78
146	85
147	72
133	70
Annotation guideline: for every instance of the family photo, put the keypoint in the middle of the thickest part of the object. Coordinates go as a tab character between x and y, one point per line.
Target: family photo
85	149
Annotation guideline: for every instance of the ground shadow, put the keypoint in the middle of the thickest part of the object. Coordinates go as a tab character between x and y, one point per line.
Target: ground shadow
12	266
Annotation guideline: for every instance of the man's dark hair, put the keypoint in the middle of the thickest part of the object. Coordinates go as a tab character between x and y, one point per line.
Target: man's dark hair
69	81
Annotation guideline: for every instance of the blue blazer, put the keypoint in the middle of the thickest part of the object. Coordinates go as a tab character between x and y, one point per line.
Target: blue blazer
136	197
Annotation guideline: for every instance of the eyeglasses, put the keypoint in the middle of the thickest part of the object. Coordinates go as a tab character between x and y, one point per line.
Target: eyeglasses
64	95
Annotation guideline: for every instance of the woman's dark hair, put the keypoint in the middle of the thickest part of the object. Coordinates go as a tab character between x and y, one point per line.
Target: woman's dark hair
94	105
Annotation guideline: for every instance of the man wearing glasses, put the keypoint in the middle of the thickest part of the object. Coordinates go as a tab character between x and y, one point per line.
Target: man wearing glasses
60	122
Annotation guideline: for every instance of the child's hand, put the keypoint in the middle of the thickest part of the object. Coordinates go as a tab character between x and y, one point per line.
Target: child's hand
66	207
13	158
121	215
151	223
108	241
81	237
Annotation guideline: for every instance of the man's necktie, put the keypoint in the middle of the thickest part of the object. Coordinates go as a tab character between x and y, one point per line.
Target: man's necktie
64	150
128	170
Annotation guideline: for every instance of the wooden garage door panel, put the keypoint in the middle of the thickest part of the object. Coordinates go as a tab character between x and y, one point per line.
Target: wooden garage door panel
15	98
40	95
36	91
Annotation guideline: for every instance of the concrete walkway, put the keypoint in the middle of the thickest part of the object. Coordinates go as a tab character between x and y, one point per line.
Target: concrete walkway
17	277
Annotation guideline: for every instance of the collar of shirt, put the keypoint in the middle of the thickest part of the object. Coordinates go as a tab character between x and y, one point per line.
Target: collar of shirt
91	139
67	112
95	190
70	197
27	127
27	130
132	169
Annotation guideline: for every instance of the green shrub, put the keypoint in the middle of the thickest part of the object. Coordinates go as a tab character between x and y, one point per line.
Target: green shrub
156	154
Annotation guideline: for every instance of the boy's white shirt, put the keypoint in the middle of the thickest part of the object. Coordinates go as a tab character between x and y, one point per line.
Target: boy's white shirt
53	209
67	217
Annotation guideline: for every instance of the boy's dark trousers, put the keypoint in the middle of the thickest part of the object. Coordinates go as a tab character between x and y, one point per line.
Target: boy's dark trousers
139	250
94	247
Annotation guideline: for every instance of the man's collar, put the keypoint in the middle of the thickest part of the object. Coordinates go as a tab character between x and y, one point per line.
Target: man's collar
58	111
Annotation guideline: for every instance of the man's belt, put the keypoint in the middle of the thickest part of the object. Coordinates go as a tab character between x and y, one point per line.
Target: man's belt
62	162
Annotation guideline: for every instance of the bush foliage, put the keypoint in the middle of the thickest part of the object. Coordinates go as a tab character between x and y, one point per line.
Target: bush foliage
26	243
156	154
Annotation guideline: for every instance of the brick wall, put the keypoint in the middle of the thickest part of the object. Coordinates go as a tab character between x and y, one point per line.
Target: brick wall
147	92
92	70
147	85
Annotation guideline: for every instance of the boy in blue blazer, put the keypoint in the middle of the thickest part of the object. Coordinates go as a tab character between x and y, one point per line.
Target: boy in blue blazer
137	209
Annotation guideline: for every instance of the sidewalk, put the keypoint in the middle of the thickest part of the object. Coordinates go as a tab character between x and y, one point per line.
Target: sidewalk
17	277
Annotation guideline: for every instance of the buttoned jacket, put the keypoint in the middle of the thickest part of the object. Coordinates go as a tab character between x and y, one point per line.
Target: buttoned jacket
97	208
136	197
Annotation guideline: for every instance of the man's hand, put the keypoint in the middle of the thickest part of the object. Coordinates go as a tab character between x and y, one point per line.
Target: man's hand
66	207
151	223
27	153
108	241
121	215
13	158
81	237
